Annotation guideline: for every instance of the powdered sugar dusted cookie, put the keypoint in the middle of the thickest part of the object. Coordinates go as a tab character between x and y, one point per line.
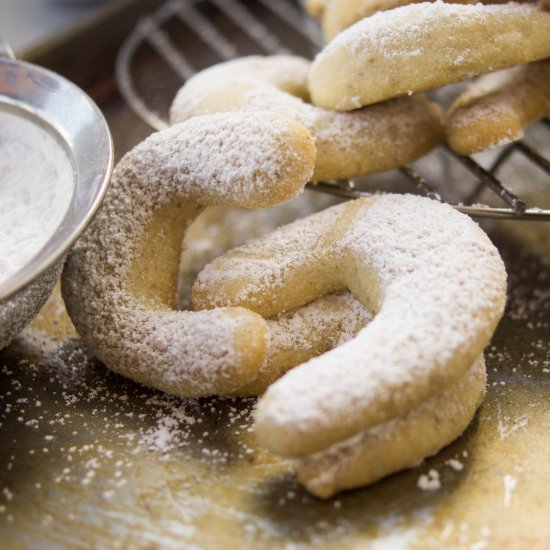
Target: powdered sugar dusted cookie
119	283
434	281
398	443
422	46
497	107
369	140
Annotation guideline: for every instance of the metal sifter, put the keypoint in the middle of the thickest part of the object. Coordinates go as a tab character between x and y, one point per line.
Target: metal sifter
74	121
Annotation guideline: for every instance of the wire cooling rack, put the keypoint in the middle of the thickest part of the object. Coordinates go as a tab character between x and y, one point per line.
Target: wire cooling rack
184	36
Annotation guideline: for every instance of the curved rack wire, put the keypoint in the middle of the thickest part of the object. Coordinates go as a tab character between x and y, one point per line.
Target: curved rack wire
264	26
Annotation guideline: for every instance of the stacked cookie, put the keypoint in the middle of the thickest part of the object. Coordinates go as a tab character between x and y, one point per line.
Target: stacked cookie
378	52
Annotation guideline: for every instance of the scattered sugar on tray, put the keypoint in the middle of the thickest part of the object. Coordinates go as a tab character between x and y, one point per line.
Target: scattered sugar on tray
429	481
510	484
455	464
166	434
508	425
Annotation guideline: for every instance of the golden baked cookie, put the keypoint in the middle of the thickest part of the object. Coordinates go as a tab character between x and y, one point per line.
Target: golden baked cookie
422	46
119	283
398	443
348	144
434	281
497	107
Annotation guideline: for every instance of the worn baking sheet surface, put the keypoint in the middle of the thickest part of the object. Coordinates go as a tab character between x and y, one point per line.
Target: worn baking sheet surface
89	459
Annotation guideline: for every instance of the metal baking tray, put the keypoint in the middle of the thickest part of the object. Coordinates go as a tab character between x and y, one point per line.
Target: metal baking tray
91	460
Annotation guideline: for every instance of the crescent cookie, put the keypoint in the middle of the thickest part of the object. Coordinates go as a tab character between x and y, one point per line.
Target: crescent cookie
119	283
341	14
422	46
348	144
299	335
433	279
497	107
398	443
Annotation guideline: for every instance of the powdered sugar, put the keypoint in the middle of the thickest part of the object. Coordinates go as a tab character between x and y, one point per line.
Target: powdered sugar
510	483
145	492
402	442
288	330
36	187
429	481
215	159
306	332
405	31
